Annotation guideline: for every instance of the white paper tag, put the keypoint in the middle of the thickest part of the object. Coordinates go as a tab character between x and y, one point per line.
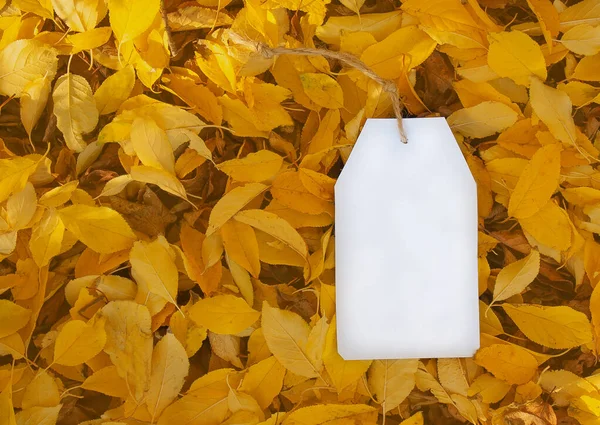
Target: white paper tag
406	245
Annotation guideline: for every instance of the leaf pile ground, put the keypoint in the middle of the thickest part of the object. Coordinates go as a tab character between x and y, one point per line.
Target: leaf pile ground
166	208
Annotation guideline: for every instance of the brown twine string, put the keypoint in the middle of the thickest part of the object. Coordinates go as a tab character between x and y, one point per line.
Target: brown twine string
388	85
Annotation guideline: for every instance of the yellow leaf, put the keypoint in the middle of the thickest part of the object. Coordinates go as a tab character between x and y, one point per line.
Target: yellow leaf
102	229
39	7
163	179
12	317
323	414
447	17
129	343
554	327
595	313
115	90
170	366
130	18
263	381
548	18
451	374
38	415
489	388
583	11
42	391
402	50
554	108
199	97
379	25
587	68
107	381
46	238
582	39
77	342
240	243
515	55
59	195
151	144
75	109
289	191
483	120
287	334
416	419
232	202
223	314
275	226
550	226
255	167
14	173
343	373
508	362
33	101
21	207
515	277
537	183
7	413
187	331
390	381
323	90
353	5
88	40
80	15
24	61
194	17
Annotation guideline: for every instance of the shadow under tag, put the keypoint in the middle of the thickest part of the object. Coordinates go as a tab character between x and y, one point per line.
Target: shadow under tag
406	245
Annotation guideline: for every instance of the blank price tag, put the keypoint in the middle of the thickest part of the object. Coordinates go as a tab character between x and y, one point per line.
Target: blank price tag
406	245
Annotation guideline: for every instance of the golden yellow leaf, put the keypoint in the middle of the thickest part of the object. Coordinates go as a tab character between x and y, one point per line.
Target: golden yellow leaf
483	120
163	179
451	373
554	108
582	40
332	413
342	372
77	342
75	109
153	263
416	419
517	56
80	15
24	61
21	207
289	191
515	277
223	314
489	388
151	144
129	343
276	227
379	25
12	317
508	362
101	228
130	18
554	327
255	167
391	381
7	413
42	391
59	195
239	240
38	415
537	182
548	18
550	226
33	101
114	90
263	381
286	335
231	203
14	173
169	368
197	96
402	50
323	90
107	381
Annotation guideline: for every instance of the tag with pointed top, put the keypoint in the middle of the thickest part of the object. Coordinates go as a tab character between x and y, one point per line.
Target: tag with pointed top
406	245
